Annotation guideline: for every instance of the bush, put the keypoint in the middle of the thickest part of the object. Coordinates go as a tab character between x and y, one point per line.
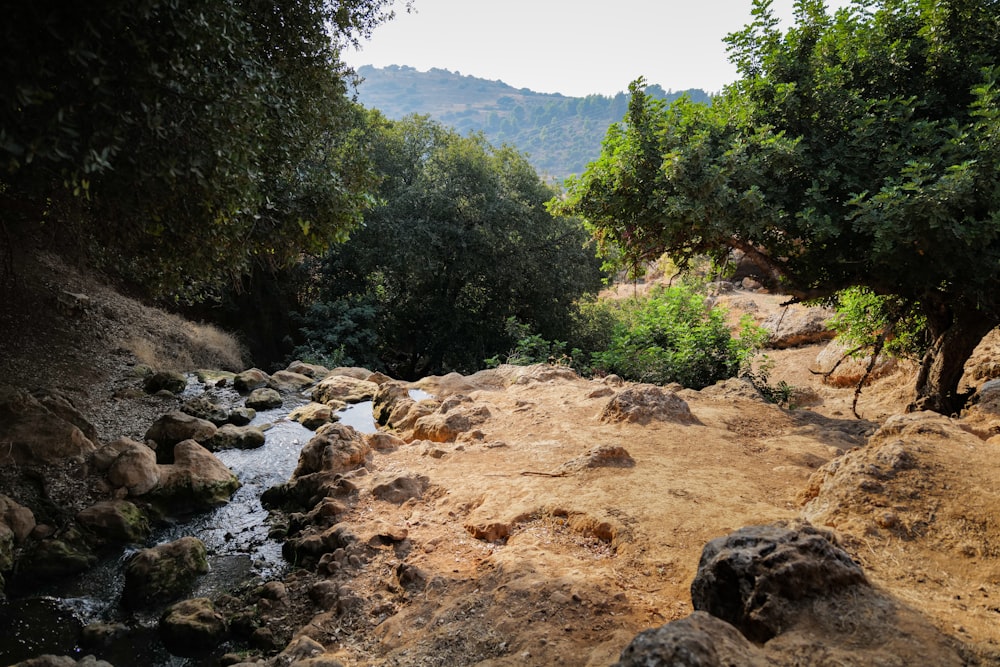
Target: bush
675	336
867	322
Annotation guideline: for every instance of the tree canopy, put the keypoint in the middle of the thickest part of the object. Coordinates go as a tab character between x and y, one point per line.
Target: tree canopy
856	149
458	242
182	141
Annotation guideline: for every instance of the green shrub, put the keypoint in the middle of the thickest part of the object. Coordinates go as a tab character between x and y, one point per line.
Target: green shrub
675	336
867	322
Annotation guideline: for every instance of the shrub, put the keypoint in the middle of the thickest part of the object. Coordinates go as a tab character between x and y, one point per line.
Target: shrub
867	322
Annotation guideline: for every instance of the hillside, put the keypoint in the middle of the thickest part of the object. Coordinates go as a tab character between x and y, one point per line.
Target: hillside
560	134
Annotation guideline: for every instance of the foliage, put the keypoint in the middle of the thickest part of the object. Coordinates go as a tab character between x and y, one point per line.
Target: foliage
530	348
458	243
675	336
560	134
339	333
183	141
866	320
858	149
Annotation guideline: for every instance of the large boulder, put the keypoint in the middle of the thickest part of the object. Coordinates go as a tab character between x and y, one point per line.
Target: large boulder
313	415
170	381
343	388
264	398
758	577
642	404
230	436
115	521
250	379
797	325
134	468
204	408
175	427
18	518
289	382
196	480
192	627
700	640
335	448
33	434
164	572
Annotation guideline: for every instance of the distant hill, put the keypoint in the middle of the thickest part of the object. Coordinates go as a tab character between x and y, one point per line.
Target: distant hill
560	134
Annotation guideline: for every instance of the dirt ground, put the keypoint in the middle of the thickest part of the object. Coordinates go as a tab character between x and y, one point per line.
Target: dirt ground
523	551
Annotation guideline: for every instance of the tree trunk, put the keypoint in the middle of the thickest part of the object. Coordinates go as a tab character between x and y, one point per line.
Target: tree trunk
944	364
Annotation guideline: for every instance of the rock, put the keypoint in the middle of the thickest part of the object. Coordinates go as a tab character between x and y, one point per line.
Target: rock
250	379
758	578
312	415
61	406
6	549
56	557
334	448
314	371
115	521
601	456
289	382
192	627
19	519
214	377
455	416
384	442
734	389
164	572
387	399
799	325
134	468
242	416
62	661
264	399
203	408
235	437
700	640
839	370
170	381
196	480
401	488
175	427
33	434
344	388
642	404
350	371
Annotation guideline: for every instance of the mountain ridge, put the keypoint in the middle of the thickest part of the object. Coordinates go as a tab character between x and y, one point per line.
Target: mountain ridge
561	134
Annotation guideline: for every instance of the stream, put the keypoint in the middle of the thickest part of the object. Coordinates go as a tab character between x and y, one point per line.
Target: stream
49	620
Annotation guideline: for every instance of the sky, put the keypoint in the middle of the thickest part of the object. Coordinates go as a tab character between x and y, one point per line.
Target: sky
572	47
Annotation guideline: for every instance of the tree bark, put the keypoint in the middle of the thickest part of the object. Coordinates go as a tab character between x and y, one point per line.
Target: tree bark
944	364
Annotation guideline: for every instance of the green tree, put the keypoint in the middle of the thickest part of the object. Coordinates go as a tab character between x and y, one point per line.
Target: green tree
184	141
859	149
459	242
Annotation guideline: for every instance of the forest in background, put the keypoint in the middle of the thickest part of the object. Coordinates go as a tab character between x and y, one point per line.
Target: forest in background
560	134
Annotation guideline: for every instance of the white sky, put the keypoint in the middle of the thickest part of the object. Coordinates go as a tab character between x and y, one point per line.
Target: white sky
572	47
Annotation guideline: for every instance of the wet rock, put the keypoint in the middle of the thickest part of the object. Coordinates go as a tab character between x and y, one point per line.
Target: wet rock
33	434
170	381
344	388
289	382
230	436
62	661
241	416
115	521
642	404
164	572
55	557
192	627
102	635
214	377
312	415
203	408
250	379
401	488
196	480
175	427
334	448
264	399
758	577
134	468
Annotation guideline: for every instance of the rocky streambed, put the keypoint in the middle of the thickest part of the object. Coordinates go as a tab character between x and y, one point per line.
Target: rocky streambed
101	539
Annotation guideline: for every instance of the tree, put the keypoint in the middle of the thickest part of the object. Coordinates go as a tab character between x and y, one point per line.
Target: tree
183	141
459	242
859	149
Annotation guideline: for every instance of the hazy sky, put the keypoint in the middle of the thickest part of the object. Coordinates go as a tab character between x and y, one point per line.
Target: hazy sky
568	46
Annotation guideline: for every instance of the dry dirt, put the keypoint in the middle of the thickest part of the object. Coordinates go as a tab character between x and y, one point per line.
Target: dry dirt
572	561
